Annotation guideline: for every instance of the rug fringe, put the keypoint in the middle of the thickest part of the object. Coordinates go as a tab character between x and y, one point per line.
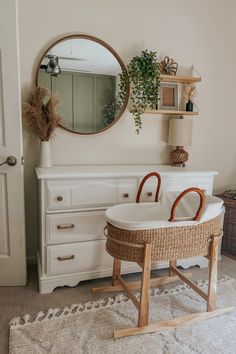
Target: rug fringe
98	304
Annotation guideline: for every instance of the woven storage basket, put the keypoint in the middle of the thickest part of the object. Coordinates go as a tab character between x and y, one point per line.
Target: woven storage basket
168	243
229	237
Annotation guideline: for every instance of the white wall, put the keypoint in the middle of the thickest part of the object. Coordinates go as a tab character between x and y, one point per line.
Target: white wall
199	33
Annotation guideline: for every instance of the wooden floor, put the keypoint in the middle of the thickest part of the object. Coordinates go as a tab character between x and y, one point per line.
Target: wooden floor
16	301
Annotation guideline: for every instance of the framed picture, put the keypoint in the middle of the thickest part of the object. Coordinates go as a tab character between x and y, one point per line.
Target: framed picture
169	96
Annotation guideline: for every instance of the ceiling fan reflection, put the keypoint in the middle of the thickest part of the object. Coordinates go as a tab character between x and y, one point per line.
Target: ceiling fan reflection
68	58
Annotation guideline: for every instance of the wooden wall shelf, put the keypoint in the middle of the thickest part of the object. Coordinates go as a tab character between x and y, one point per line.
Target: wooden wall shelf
170	112
180	79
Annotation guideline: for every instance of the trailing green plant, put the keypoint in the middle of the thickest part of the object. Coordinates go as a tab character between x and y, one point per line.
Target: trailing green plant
144	78
111	109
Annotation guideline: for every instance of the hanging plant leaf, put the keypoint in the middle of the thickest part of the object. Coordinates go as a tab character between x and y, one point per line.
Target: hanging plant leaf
144	77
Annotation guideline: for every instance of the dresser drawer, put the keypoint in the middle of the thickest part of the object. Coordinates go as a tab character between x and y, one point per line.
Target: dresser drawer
73	227
87	193
174	184
149	190
58	197
78	257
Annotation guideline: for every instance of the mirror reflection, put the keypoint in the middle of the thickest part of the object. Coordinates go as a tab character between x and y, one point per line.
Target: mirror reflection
85	73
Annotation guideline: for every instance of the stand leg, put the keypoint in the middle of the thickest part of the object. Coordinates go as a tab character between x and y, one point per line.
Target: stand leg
145	287
173	263
116	271
211	302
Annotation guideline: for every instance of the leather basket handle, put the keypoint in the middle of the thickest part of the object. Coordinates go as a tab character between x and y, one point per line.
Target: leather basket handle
186	191
151	174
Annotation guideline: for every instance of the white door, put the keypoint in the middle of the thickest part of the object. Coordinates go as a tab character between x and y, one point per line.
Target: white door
12	227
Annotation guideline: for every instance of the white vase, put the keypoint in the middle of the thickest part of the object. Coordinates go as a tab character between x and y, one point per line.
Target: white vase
45	159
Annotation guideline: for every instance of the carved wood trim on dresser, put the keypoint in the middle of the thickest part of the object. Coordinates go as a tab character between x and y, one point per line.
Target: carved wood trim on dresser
72	204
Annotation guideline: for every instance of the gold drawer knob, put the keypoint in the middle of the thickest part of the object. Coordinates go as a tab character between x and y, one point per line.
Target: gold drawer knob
66	226
126	195
149	194
59	198
66	258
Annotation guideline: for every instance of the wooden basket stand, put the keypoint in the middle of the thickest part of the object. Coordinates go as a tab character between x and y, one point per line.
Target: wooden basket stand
173	243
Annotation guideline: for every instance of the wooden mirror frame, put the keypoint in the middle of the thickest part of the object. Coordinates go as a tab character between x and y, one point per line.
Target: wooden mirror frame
114	53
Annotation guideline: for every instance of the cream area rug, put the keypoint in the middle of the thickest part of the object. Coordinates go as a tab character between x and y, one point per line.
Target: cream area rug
88	328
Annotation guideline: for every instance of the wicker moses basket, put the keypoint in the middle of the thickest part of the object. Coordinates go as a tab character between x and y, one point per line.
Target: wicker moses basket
131	236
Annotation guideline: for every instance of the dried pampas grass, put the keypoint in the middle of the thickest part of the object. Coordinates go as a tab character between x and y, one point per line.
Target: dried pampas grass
190	92
40	114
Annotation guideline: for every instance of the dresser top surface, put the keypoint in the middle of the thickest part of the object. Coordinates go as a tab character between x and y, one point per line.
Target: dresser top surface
84	171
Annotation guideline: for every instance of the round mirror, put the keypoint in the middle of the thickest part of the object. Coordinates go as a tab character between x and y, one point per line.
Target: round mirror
90	79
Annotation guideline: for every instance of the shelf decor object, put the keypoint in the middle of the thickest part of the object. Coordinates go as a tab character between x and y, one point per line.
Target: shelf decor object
168	66
189	106
180	135
189	94
169	98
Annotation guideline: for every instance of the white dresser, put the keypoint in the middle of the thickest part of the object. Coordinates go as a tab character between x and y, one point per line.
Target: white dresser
72	204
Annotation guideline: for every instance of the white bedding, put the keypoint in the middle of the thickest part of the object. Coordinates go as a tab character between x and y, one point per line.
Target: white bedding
139	216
